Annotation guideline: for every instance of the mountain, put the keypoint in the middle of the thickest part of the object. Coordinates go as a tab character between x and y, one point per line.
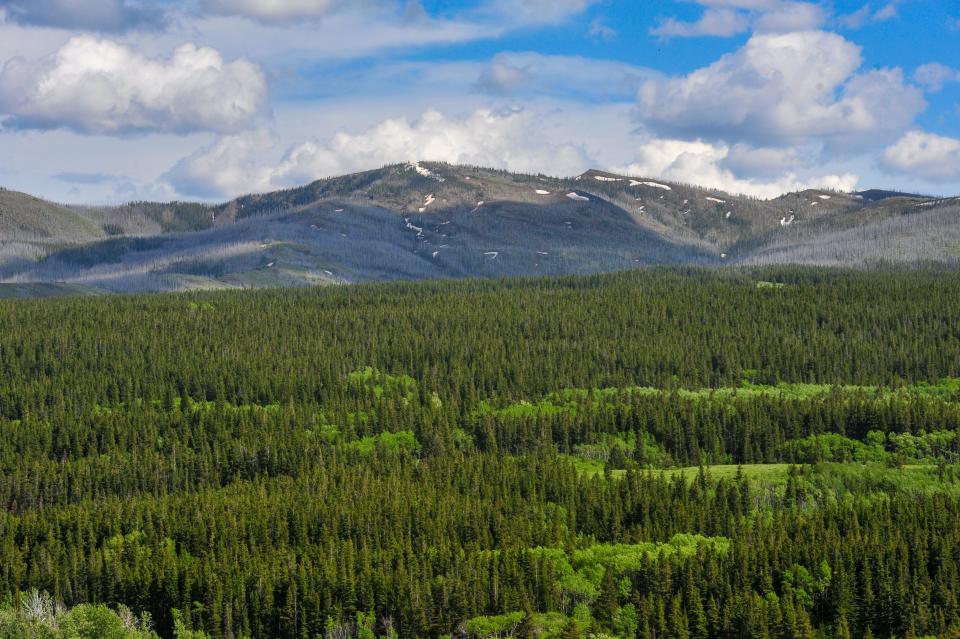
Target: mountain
432	220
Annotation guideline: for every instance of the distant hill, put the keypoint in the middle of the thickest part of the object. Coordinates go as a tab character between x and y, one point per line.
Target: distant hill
24	218
432	220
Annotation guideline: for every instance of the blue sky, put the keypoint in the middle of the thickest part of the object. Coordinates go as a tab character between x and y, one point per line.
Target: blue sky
115	100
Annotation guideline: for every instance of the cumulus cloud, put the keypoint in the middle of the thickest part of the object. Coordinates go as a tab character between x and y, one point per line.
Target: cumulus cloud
95	15
792	16
97	86
702	163
925	155
783	89
529	72
934	76
490	138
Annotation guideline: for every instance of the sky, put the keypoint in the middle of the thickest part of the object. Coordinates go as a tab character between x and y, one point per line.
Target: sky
106	101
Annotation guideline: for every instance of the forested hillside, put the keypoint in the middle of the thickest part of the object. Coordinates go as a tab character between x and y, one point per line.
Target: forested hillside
433	220
682	454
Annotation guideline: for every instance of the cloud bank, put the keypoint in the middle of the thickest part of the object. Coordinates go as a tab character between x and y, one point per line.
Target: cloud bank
98	86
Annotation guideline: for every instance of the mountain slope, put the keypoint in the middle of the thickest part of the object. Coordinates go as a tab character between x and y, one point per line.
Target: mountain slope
24	218
430	220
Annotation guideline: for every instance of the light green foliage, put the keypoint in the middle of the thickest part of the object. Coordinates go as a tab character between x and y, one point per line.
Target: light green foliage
546	625
181	631
383	384
580	573
805	585
494	625
625	621
391	443
831	447
37	616
570	400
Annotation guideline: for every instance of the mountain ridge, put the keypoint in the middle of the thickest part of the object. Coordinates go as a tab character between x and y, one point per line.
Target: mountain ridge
433	220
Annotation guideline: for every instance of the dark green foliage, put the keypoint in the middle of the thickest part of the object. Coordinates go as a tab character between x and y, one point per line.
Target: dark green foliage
416	460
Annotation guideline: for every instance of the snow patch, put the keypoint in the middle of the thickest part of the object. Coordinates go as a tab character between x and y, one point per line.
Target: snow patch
655	185
542	253
602	178
427	201
424	171
542	192
727	216
492	254
573	195
824	197
412	227
717	200
787	222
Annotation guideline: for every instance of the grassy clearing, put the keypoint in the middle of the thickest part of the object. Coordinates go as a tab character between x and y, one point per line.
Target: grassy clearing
765	473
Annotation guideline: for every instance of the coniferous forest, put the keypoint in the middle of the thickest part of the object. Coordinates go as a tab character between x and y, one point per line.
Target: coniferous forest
662	454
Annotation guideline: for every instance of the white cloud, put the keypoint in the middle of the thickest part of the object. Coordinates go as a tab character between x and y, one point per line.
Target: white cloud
888	12
98	86
857	19
934	76
501	139
926	156
228	167
783	89
703	164
721	22
725	18
865	15
97	15
601	31
792	16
